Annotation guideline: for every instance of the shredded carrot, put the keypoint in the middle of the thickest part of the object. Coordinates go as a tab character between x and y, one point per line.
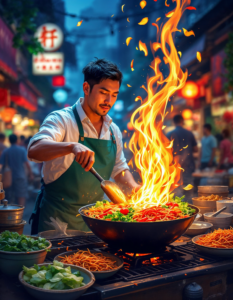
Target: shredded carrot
90	261
220	238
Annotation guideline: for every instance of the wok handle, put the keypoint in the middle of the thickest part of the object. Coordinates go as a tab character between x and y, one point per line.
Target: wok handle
97	175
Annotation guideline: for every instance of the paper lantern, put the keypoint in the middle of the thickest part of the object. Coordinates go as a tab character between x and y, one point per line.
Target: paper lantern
187	114
228	116
7	114
190	90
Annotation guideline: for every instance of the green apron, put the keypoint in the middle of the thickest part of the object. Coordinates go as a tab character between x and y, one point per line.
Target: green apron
75	188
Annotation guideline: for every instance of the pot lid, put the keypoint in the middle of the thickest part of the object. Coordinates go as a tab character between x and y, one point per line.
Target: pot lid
9	207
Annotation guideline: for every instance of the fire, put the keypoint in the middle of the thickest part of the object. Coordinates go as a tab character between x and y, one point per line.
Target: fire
152	151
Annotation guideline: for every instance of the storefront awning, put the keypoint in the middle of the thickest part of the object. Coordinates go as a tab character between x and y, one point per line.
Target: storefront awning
190	54
7	52
23	95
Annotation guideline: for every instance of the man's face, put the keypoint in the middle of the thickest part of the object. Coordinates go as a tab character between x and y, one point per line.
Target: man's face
205	131
102	96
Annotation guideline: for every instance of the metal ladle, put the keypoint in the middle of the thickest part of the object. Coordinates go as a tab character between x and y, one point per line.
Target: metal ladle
218	212
110	188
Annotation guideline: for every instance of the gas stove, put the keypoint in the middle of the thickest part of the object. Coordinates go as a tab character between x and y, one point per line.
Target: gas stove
161	275
175	267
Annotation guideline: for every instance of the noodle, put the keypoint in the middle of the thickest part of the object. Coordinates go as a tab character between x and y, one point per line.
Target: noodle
221	238
94	262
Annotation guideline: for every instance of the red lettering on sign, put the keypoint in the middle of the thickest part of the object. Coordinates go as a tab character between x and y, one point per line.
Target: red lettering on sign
48	35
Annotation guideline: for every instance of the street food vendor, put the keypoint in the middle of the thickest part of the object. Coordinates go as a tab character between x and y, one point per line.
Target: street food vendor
72	140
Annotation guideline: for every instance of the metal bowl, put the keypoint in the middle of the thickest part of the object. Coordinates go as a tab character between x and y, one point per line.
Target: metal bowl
138	237
99	275
71	294
198	227
213	251
11	263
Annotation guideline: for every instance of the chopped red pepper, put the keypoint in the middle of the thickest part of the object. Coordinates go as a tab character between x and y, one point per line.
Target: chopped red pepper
124	211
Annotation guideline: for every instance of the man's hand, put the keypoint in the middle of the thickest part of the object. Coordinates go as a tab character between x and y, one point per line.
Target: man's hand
84	156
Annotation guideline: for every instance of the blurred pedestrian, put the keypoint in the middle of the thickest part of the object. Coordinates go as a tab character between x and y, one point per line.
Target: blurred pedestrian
226	157
16	158
22	140
2	140
208	149
183	147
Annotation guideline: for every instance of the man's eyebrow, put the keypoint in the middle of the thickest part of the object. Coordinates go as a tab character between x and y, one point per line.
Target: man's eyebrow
103	88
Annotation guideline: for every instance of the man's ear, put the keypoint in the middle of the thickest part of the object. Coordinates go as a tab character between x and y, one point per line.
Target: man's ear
86	88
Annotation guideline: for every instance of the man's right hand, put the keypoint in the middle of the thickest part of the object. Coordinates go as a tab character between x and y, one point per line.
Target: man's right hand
84	156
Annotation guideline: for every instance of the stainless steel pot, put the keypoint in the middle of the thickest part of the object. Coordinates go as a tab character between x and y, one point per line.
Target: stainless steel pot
10	214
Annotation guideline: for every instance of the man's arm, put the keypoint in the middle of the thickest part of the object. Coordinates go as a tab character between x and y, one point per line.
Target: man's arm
126	178
212	157
45	150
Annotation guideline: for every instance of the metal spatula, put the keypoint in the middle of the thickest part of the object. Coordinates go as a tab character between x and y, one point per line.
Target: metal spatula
110	188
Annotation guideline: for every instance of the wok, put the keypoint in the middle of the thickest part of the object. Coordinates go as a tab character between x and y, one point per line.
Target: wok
141	237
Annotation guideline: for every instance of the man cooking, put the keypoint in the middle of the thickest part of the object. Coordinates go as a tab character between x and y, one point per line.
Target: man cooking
72	140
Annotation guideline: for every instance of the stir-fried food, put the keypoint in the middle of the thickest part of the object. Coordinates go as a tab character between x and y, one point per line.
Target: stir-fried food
221	238
90	261
172	210
210	198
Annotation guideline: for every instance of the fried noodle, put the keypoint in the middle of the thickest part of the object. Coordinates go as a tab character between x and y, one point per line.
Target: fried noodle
91	261
221	238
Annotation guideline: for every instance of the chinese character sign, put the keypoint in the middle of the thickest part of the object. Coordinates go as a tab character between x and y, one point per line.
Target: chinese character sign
48	63
50	36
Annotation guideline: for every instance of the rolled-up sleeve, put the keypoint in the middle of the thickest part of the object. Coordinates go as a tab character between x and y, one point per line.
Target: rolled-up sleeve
53	128
120	164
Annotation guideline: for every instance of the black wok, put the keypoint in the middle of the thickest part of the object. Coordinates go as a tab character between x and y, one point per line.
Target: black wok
141	237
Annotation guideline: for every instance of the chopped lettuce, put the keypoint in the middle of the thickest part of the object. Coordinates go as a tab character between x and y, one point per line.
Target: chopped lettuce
53	277
14	242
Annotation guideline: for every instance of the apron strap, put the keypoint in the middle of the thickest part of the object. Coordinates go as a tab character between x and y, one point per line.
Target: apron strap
79	123
80	126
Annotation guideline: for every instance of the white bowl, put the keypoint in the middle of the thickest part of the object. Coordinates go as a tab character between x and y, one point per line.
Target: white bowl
223	220
198	227
227	203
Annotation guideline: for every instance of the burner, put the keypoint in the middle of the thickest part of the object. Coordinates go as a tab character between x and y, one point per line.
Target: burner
163	256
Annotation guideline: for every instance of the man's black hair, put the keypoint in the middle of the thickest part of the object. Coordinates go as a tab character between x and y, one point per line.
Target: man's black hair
2	136
22	138
13	139
101	69
178	119
208	126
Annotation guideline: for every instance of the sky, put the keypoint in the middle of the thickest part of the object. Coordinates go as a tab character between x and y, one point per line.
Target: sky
86	48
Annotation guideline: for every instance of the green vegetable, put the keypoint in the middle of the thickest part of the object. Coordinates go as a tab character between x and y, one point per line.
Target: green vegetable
53	277
14	242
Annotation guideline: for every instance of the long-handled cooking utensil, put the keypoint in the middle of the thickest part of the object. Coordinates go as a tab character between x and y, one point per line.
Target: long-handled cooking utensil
218	212
110	188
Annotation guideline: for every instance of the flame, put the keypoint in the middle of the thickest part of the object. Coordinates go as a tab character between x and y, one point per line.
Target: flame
180	53
112	16
142	47
152	151
131	65
128	40
144	21
188	33
122	7
128	20
199	56
188	187
79	23
143	4
191	8
157	19
128	85
166	3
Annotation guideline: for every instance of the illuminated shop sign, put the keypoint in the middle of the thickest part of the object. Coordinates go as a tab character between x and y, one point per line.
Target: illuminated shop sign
48	64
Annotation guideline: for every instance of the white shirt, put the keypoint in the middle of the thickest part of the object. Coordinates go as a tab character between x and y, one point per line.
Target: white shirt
61	126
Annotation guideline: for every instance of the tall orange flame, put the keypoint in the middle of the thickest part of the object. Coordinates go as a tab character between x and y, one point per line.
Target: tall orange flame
152	151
